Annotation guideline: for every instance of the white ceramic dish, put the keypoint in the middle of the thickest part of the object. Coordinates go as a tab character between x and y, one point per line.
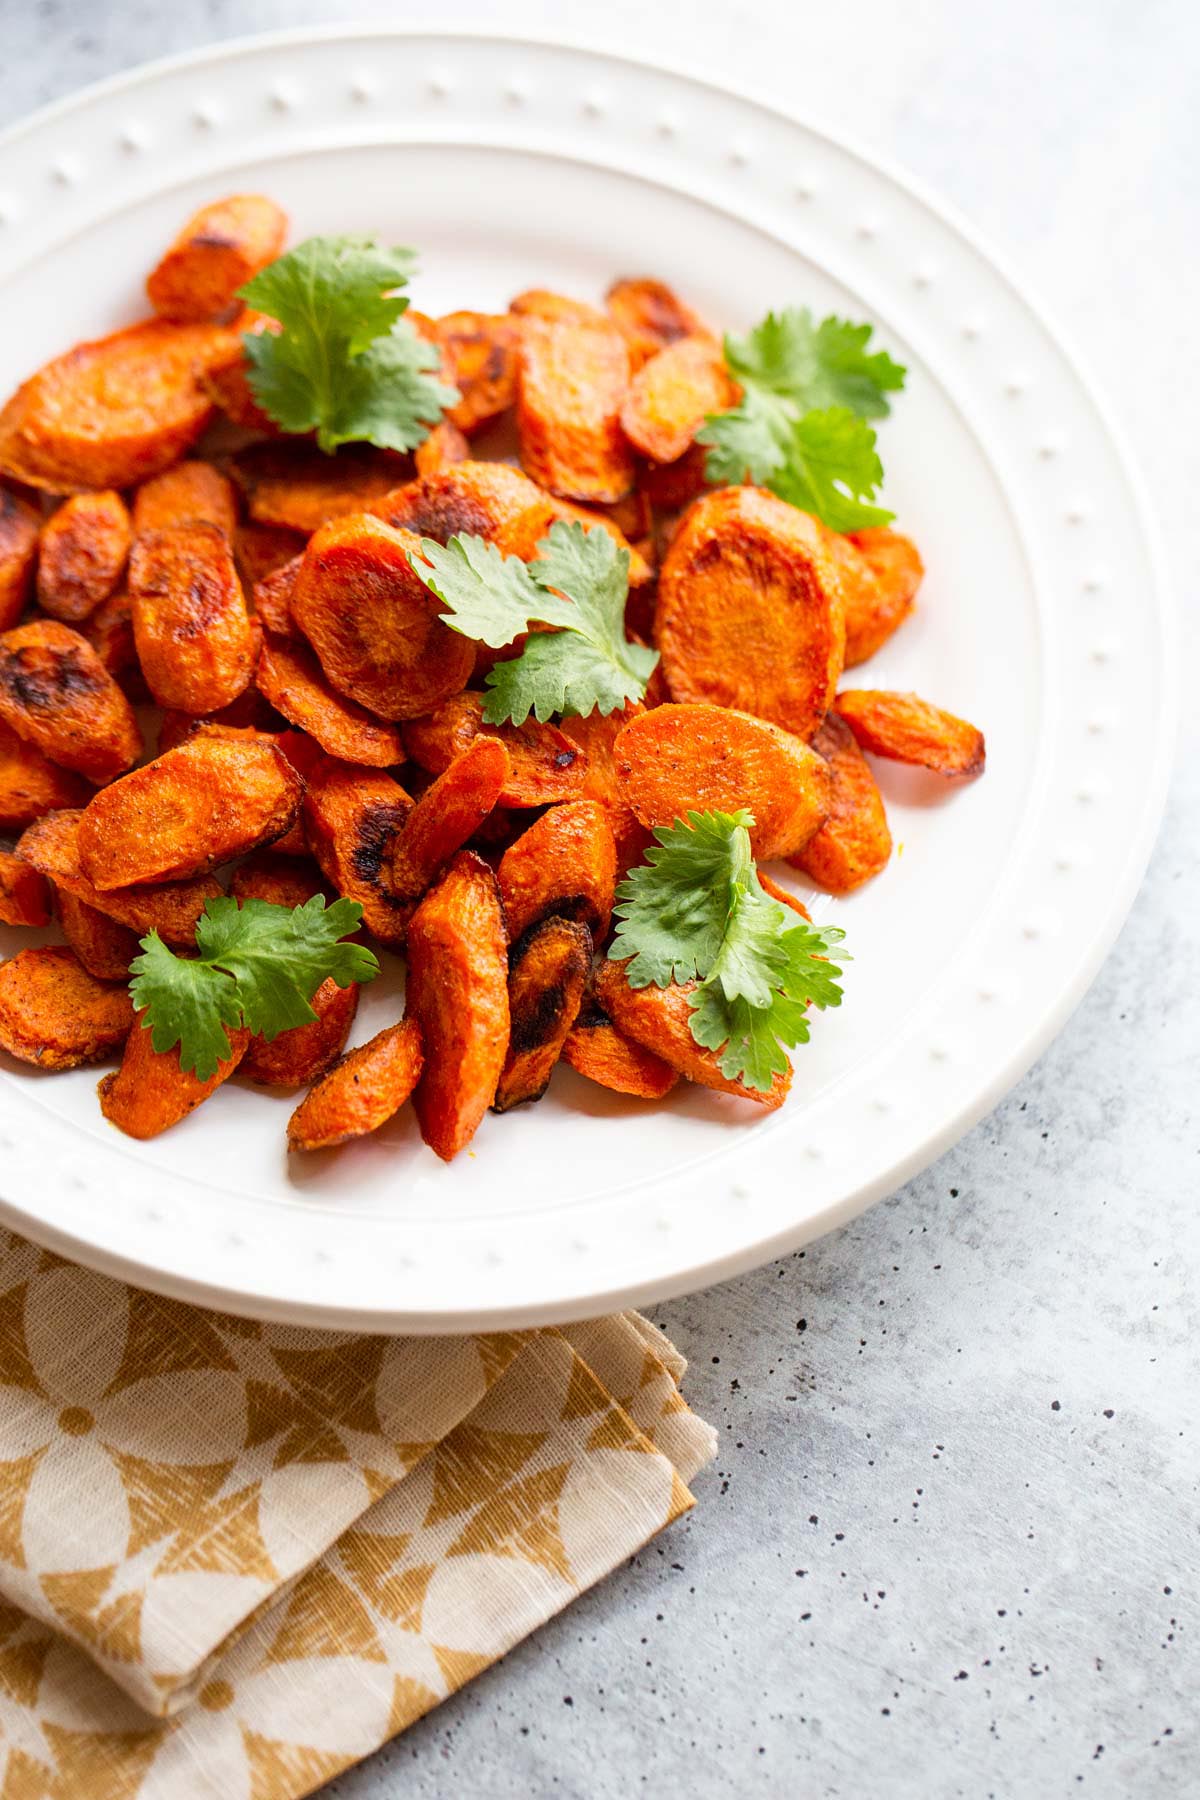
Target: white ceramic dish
1044	617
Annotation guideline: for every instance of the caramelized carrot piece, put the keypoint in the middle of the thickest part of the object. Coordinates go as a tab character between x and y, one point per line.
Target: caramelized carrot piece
188	811
480	351
260	550
544	764
279	880
290	677
907	729
750	611
82	557
297	485
51	844
150	1092
352	819
595	1048
565	863
273	598
105	948
672	394
362	1092
374	625
192	493
557	309
680	759
445	446
571	382
458	994
546	984
114	412
56	694
53	1013
660	1019
478	499
449	812
221	247
596	734
649	315
670	486
20	528
24	894
109	631
879	572
305	1052
30	784
190	624
854	843
249	712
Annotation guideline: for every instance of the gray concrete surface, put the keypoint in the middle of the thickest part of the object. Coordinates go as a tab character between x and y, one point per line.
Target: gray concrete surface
950	1545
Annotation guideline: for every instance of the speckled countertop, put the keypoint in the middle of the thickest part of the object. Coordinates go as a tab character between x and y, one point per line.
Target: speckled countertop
951	1543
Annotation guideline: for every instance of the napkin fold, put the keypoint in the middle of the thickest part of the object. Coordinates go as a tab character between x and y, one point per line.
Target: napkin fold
237	1557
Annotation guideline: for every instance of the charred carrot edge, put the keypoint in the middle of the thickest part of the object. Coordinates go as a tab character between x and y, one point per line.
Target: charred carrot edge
548	976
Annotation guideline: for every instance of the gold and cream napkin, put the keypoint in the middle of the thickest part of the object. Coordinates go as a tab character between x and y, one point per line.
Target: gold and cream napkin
237	1557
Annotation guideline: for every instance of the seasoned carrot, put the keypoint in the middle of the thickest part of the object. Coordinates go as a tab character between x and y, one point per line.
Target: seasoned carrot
20	527
671	395
649	315
24	894
557	309
51	844
191	493
782	894
660	1018
30	784
273	598
53	1013
374	625
56	694
907	729
190	624
352	819
150	1092
854	843
290	677
480	351
307	758
565	863
249	712
570	384
279	880
879	572
450	811
114	412
105	948
596	735
479	499
458	994
109	631
362	1092
221	247
305	1052
669	486
188	811
595	1048
82	556
296	485
750	611
545	765
680	759
260	550
445	446
546	984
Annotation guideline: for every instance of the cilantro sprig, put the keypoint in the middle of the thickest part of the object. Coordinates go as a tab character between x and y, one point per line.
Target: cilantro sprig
346	363
695	910
578	584
257	966
801	428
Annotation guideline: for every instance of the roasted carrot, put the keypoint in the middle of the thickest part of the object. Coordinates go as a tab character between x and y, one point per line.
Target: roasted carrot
56	694
669	486
53	1013
557	309
445	446
570	384
20	528
188	811
150	1092
279	880
450	811
51	844
352	820
303	1053
784	896
260	550
649	315
480	350
595	1048
30	784
296	485
565	863
82	556
671	395
190	624
290	677
109	631
477	498
660	1019
24	894
226	377
854	843
750	612
548	974
596	735
374	625
879	572
105	948
680	759
273	598
221	247
249	712
545	765
191	493
362	1092
907	729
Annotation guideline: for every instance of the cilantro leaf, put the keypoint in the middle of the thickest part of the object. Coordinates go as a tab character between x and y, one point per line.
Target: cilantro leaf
832	469
258	966
816	366
696	910
578	585
345	363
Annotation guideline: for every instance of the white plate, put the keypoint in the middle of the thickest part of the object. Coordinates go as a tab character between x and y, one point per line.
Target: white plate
1044	618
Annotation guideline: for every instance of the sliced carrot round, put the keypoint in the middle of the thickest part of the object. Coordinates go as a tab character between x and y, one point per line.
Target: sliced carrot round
904	728
289	676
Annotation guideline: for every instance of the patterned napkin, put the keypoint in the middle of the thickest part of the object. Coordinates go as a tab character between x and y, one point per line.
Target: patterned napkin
235	1558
